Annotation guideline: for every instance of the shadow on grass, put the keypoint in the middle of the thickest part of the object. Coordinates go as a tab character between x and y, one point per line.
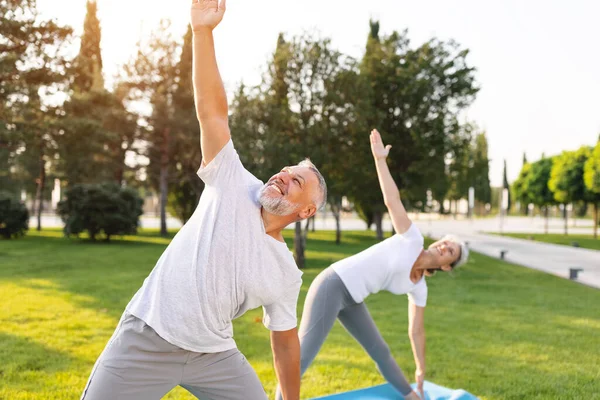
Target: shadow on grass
24	356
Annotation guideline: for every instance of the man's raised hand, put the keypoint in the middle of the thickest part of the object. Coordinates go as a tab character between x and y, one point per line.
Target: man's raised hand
206	14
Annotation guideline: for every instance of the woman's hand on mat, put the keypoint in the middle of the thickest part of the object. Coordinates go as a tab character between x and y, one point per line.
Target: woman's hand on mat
420	379
379	151
412	396
206	14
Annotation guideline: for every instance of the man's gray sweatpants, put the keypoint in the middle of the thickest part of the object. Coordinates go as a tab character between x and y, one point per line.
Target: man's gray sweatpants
137	364
328	299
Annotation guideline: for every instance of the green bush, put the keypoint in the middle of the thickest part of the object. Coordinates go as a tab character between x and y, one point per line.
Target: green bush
106	208
14	217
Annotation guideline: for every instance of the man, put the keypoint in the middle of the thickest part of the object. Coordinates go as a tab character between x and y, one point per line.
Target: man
228	258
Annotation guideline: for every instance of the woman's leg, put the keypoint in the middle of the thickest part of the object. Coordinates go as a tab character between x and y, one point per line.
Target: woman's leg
357	320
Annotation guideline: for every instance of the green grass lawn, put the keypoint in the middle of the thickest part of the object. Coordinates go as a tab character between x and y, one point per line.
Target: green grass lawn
584	241
494	329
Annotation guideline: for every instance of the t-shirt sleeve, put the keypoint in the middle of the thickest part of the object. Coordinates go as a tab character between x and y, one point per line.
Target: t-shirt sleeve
281	315
222	169
413	233
418	296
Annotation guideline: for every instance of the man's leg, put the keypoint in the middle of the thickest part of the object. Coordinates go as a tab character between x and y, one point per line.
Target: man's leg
136	364
222	376
357	320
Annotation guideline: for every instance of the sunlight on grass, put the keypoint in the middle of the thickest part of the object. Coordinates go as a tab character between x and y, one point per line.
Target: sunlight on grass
495	329
48	336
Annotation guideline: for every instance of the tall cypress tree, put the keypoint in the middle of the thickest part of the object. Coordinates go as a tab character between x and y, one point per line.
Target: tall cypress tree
96	114
87	72
481	168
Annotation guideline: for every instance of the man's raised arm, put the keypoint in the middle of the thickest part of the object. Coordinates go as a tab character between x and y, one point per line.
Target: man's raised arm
209	93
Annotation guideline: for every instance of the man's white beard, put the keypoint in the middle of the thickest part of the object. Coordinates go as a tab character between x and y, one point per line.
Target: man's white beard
277	206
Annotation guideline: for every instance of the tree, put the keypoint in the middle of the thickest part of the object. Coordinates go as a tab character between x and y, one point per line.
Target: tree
96	134
92	112
536	185
106	208
87	68
300	107
32	64
14	218
151	78
186	156
481	170
591	178
518	187
566	178
413	97
460	164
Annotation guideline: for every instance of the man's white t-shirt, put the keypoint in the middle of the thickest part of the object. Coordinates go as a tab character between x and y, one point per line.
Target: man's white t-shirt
219	265
385	266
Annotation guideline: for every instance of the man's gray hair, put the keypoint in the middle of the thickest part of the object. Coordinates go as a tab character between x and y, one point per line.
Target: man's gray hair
321	198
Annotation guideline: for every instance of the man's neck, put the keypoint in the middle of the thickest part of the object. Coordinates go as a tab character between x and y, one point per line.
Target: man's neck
274	224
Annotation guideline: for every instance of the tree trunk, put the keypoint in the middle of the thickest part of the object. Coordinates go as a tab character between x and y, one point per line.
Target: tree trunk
546	212
565	216
120	171
378	220
164	175
299	245
40	190
595	220
306	229
441	210
314	220
336	210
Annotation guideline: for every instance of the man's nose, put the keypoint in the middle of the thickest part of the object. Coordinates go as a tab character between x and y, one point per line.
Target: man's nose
284	176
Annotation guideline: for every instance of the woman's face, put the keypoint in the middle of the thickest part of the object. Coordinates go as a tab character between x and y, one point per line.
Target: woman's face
445	252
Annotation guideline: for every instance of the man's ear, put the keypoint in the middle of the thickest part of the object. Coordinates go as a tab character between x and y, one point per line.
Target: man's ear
446	267
308	211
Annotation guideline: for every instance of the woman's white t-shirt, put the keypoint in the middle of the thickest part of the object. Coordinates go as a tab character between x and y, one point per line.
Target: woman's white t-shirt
385	266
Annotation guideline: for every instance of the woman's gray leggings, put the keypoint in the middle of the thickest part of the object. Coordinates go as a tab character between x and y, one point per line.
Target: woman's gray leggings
328	299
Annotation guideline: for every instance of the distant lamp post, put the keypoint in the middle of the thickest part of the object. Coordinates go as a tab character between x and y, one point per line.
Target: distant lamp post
429	205
471	201
503	207
56	194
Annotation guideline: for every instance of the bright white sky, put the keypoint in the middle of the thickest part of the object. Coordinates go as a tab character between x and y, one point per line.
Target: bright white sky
538	62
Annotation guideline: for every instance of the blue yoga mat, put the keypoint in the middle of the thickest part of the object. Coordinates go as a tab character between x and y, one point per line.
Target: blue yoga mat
387	392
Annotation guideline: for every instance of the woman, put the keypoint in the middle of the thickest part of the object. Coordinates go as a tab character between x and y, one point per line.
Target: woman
398	265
